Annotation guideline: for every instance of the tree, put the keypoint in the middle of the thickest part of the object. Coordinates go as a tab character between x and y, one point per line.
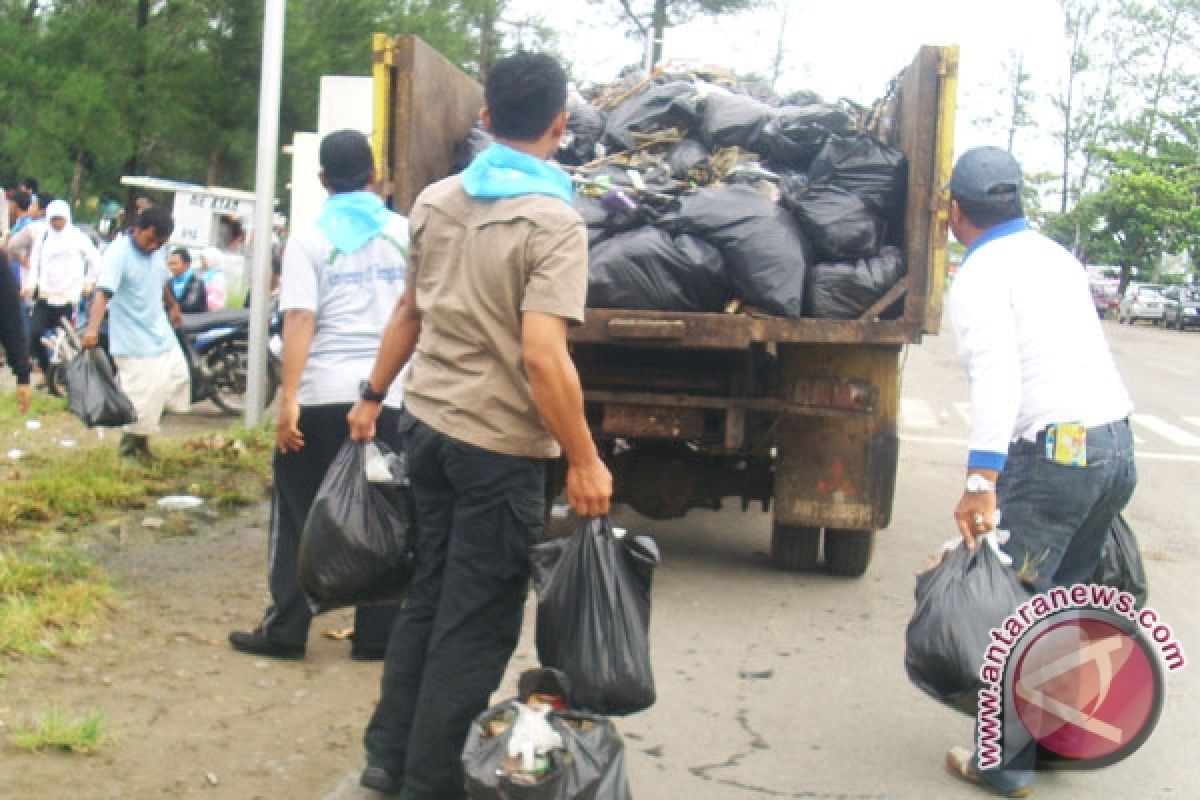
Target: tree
648	20
1014	109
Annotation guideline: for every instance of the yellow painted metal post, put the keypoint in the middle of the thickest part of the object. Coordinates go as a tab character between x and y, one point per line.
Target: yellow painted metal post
382	49
943	163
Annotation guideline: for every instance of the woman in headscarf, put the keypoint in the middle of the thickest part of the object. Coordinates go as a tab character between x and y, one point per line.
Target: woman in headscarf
62	265
216	286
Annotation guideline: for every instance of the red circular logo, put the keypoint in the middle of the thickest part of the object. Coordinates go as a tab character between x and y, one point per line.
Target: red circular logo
1087	689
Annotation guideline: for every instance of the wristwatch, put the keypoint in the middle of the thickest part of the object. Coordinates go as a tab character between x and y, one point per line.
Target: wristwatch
977	484
370	395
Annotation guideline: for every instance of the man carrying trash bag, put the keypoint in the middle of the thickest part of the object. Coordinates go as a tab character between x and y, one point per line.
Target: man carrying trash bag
497	270
1050	441
341	277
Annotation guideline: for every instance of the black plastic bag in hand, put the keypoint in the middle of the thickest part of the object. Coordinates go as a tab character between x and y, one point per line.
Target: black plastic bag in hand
862	164
648	269
93	394
590	765
1121	563
765	252
593	618
837	221
958	602
355	547
845	291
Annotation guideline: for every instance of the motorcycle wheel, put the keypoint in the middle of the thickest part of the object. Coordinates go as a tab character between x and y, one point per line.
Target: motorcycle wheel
56	380
228	369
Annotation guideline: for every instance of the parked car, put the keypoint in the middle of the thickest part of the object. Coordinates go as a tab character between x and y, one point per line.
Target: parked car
1104	296
1141	302
1182	308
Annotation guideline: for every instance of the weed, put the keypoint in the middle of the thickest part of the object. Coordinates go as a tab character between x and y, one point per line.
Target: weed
50	594
42	405
55	731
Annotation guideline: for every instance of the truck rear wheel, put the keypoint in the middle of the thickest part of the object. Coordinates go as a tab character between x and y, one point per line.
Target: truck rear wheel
795	547
848	552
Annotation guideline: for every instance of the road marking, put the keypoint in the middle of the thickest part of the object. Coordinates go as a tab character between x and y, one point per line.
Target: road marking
964	411
1189	458
916	413
1166	430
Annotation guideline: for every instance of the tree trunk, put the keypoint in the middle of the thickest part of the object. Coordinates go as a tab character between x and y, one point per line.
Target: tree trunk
657	28
487	38
76	180
1159	81
216	166
138	114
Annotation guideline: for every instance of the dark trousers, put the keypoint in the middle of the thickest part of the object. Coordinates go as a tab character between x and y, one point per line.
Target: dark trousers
297	478
478	513
1058	517
45	317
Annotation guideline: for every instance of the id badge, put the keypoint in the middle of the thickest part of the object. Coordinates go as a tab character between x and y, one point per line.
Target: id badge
1066	443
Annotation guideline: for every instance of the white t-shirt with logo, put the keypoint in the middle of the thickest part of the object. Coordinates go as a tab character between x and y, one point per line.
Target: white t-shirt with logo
353	297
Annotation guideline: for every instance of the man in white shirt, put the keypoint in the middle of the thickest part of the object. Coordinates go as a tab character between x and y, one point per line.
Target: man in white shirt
1050	441
342	275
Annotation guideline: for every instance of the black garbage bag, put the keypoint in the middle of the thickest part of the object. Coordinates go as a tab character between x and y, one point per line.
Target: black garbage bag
650	270
654	108
688	160
845	291
862	164
958	602
590	765
837	221
603	219
593	618
765	251
477	140
795	134
355	549
585	127
733	120
1121	564
92	391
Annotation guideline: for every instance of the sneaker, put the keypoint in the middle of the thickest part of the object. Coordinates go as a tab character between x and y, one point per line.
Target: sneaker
256	643
380	780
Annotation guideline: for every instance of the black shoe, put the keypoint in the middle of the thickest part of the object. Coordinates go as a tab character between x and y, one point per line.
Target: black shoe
256	643
380	780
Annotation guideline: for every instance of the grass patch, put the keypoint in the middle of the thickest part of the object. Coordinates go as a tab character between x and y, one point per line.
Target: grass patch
50	596
42	405
56	731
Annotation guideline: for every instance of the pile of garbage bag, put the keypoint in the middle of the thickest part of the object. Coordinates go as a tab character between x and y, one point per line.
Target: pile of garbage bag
703	193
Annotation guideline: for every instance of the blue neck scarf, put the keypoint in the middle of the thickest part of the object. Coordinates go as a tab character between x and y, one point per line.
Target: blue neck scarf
500	171
179	283
351	219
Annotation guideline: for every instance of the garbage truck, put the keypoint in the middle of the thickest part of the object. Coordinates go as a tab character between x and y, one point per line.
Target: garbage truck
693	410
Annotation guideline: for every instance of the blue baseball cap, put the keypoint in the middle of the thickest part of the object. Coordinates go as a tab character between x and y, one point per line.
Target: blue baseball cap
986	175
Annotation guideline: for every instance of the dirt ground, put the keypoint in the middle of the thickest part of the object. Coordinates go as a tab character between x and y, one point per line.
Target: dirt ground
186	715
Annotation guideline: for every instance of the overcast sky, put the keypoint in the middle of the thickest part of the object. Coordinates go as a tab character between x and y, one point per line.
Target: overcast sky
844	49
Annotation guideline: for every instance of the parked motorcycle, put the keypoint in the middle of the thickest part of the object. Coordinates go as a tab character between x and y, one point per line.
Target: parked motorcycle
215	344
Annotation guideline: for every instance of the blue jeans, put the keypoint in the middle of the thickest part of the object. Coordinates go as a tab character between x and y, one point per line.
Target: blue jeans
1058	517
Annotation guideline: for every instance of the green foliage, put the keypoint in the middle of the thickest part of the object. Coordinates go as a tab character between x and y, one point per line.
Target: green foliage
93	89
56	731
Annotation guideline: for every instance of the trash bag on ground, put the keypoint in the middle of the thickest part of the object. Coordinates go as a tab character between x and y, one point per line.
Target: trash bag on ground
650	270
585	128
593	617
476	141
766	253
92	391
589	764
652	109
795	134
733	120
958	602
862	164
355	547
845	291
1121	564
689	160
836	221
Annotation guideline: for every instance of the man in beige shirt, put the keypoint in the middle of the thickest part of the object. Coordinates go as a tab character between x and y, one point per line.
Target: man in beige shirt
497	270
